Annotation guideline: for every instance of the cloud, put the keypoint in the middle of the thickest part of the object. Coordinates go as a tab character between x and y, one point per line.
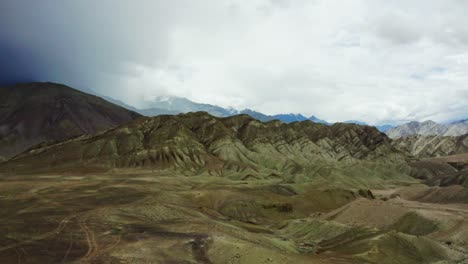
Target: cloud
376	61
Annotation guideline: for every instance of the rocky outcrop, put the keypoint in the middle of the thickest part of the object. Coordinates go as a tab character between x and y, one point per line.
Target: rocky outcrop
432	146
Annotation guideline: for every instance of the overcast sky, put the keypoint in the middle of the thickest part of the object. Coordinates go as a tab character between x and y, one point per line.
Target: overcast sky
377	61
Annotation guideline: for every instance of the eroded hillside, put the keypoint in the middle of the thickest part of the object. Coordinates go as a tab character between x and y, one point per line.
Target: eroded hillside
432	146
32	113
238	147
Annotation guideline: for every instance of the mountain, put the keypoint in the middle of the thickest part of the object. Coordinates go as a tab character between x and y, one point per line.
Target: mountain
318	120
257	115
289	118
285	118
381	128
237	145
457	129
177	105
115	101
443	159
31	113
427	128
172	105
432	146
417	128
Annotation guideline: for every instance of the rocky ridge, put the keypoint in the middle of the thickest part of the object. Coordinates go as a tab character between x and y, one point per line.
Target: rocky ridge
432	146
199	141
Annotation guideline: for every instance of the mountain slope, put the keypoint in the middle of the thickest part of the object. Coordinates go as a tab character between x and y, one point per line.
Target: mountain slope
114	101
318	120
238	145
432	146
35	112
444	160
457	129
257	115
428	128
384	128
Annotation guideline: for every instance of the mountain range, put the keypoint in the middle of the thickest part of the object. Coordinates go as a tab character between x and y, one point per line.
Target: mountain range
94	182
34	113
170	105
176	105
198	141
66	130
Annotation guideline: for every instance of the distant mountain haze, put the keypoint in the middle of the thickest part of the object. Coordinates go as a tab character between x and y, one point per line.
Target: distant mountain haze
163	105
384	128
172	105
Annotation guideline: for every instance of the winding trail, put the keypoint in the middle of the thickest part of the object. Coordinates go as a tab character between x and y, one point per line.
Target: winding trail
93	247
68	250
114	244
54	232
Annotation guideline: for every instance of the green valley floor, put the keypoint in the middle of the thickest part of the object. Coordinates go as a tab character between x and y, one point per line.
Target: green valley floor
140	216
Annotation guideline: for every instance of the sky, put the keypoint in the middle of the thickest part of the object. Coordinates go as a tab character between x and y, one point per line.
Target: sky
373	60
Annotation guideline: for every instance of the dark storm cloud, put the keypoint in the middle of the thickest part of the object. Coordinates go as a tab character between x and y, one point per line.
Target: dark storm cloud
15	65
76	42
